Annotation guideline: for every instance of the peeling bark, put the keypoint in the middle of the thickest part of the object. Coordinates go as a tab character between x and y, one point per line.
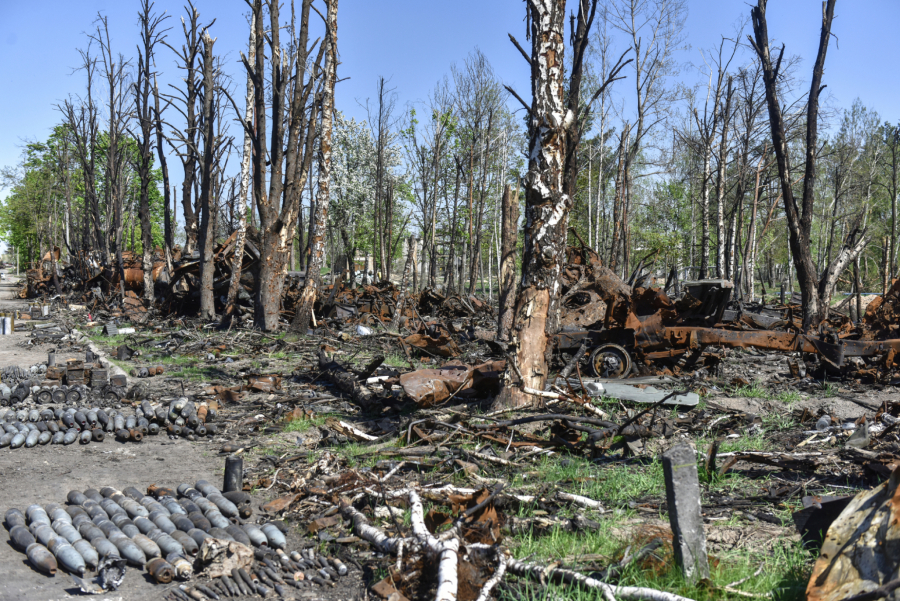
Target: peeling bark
510	226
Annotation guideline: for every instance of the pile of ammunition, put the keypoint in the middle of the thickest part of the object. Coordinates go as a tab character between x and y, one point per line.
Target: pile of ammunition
65	425
163	533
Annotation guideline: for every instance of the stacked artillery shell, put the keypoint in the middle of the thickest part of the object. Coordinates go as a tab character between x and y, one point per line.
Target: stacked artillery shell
66	425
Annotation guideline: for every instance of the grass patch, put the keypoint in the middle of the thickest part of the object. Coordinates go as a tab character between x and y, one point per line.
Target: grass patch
303	424
754	391
395	360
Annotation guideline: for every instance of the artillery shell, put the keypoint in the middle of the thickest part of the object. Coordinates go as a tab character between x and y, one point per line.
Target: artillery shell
135	509
153	429
143	425
102	417
130	422
13	518
192	592
98	435
92	418
58	438
172	506
104	547
147	410
161	570
233	590
202	412
216	518
207	591
111	507
275	536
81	419
95	511
45	437
43	533
67	531
136	435
184	523
183	567
123	434
17	441
166	543
238	497
70	437
272	574
88	553
67	557
198	535
5	440
217	532
128	550
93	495
144	524
238	535
239	583
189	506
212	429
74	511
89	531
53	427
198	521
174	430
21	537
84	437
162	522
32	439
119	421
257	537
80	518
248	582
227	508
338	565
41	426
36	513
150	548
189	544
41	558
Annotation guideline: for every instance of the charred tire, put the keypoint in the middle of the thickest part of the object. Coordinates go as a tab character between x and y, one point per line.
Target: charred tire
610	361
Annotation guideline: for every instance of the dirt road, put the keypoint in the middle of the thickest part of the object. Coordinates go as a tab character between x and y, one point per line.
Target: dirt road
46	474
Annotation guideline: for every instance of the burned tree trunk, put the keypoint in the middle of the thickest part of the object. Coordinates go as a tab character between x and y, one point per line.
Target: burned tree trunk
237	262
799	217
207	205
509	230
401	301
317	243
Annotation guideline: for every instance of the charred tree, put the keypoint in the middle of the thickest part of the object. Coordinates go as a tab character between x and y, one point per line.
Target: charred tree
317	243
815	292
207	204
151	35
508	236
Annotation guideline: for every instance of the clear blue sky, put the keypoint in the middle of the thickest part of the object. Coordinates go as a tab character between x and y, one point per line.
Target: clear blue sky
414	42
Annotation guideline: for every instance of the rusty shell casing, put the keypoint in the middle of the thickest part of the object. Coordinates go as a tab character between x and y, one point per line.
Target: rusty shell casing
202	412
136	435
174	429
21	537
53	426
88	553
143	425
41	558
67	557
150	548
161	570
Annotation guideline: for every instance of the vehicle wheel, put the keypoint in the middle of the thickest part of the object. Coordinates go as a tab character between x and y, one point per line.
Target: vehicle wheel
610	361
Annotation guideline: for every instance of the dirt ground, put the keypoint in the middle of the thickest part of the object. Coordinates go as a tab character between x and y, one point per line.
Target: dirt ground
45	474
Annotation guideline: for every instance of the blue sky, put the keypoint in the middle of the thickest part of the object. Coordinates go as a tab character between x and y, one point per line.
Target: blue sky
414	42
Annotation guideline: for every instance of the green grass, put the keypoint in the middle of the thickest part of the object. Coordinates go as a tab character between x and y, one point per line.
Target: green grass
758	391
784	574
395	360
196	374
303	424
